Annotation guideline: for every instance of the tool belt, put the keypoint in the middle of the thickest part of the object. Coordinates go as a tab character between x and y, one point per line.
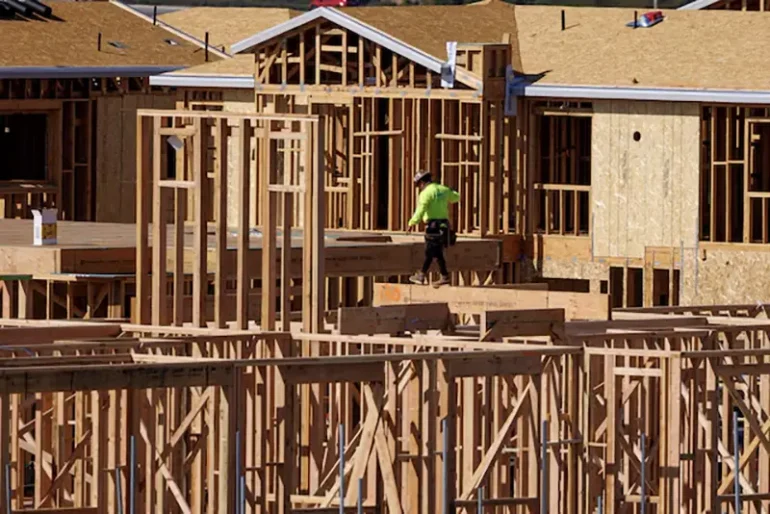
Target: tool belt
439	232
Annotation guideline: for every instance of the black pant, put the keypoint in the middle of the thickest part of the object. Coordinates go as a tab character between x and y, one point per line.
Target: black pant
436	234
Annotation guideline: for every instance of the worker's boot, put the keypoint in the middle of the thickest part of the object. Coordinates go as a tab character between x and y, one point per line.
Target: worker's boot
443	280
418	278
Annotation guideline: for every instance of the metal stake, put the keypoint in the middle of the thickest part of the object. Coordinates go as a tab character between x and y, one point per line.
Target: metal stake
8	488
737	456
243	494
642	477
360	502
544	468
118	491
238	472
341	444
599	505
480	501
132	478
445	466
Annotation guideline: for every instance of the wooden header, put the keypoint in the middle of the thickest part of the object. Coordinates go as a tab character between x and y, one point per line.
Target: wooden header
161	113
495	325
393	319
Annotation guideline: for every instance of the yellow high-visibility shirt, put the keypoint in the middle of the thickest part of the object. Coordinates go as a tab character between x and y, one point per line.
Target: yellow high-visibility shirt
433	203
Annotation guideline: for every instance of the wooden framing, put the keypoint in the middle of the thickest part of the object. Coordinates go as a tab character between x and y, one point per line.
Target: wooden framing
64	280
155	391
289	161
67	296
735	185
77	131
288	152
560	170
388	117
203	404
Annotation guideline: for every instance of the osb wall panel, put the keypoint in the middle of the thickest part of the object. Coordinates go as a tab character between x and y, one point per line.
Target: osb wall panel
115	142
563	257
239	102
645	193
533	269
714	275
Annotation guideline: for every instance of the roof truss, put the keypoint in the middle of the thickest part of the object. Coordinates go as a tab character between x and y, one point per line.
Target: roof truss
307	42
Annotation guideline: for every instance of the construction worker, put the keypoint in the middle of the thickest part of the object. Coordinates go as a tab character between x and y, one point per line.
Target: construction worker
433	209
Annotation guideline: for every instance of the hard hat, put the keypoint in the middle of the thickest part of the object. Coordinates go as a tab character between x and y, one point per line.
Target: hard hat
420	176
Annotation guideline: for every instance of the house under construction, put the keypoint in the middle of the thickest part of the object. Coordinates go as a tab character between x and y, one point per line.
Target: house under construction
276	362
629	172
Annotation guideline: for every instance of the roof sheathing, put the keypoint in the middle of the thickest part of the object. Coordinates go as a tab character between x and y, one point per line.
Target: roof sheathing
226	25
689	49
429	27
43	48
687	57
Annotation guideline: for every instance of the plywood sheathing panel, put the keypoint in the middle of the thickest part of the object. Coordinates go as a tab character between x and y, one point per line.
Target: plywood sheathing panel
645	193
238	102
116	153
108	162
721	274
72	40
226	25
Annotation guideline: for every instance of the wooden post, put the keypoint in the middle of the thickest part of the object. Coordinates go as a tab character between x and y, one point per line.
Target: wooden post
220	214
25	301
267	201
200	237
159	232
318	208
243	170
7	290
144	156
288	208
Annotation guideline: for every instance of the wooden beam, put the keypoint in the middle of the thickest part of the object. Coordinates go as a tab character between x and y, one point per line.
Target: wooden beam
362	372
39	335
393	319
469	300
495	325
144	156
244	174
30	380
487	366
220	215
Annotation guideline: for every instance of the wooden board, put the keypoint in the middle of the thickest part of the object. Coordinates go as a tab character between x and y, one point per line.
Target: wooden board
115	142
495	325
468	300
393	319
